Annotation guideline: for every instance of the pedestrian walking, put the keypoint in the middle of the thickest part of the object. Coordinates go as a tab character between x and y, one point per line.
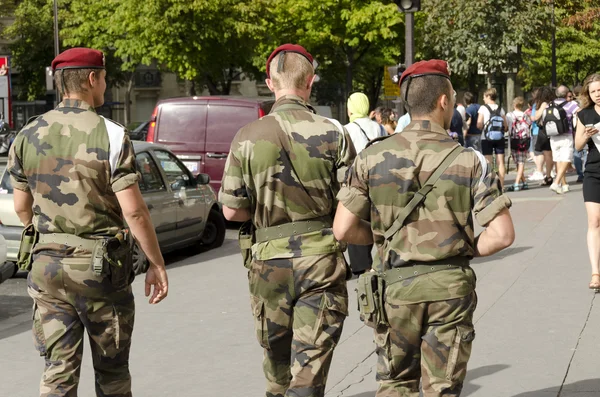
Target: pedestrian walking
519	132
76	184
543	150
557	119
281	175
473	134
492	122
421	298
587	129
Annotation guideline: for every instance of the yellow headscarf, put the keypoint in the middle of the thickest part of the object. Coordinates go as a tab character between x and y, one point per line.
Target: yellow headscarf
358	105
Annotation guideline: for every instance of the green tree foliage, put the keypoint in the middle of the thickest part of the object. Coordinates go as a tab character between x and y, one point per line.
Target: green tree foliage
577	46
32	45
352	40
482	34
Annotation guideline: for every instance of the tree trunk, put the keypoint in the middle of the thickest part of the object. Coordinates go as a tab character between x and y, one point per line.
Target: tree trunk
190	88
510	90
128	90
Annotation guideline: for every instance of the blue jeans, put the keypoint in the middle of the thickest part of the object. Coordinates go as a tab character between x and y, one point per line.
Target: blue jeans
579	160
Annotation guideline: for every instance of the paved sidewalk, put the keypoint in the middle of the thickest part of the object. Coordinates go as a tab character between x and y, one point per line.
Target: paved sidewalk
536	323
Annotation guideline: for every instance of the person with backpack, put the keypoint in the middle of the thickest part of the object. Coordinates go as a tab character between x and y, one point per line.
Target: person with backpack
543	151
557	121
519	132
492	123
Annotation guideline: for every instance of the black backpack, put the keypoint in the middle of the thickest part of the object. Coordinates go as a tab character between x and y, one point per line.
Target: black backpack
555	119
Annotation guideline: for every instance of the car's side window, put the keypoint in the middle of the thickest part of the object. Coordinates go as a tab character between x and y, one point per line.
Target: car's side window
177	175
151	179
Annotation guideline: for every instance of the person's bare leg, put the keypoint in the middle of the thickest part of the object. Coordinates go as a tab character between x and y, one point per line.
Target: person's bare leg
561	170
593	239
539	163
520	171
549	163
501	168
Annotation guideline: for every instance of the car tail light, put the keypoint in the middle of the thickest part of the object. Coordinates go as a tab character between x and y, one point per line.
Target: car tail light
152	126
261	112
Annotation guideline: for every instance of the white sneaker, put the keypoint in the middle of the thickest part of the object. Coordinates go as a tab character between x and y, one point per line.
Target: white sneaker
553	174
536	176
565	188
556	188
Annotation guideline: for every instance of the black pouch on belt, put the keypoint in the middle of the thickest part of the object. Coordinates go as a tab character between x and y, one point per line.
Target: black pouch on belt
369	290
246	239
118	256
29	238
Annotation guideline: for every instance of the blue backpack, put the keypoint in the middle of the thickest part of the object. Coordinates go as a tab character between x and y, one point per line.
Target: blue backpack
494	128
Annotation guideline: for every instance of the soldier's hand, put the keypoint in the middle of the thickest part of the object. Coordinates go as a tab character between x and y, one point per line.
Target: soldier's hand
157	276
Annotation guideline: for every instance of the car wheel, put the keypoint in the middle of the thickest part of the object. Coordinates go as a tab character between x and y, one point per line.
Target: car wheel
214	231
140	261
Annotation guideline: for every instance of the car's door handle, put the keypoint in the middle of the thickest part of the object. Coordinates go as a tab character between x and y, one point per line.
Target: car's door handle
217	155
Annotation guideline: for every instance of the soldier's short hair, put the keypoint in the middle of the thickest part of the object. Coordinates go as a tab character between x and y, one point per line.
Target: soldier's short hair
295	72
492	93
424	93
75	80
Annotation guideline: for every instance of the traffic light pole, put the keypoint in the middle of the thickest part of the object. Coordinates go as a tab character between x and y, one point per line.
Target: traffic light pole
409	48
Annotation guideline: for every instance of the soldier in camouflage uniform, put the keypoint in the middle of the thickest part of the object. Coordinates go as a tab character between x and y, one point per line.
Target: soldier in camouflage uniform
75	179
429	289
281	174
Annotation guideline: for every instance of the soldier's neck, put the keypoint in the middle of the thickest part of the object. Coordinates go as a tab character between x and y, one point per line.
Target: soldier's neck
431	117
304	94
80	96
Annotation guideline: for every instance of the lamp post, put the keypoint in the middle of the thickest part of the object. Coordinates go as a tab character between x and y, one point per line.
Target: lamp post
56	43
553	47
409	7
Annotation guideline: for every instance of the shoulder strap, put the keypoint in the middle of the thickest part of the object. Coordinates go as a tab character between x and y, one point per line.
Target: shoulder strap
378	139
560	105
363	131
419	196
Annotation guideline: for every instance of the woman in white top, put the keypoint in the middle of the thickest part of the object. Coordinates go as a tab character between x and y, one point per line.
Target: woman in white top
361	128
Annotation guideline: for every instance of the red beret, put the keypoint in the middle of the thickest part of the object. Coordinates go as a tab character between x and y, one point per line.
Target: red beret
423	68
79	58
298	49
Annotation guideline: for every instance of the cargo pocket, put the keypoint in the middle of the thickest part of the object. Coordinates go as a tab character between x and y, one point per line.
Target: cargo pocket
39	340
260	321
333	310
383	349
459	353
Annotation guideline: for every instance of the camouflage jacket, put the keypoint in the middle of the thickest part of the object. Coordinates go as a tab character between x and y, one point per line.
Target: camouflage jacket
73	161
384	178
283	168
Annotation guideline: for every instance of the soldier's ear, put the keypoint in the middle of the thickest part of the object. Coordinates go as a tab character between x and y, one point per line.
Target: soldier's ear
311	81
93	78
444	101
270	85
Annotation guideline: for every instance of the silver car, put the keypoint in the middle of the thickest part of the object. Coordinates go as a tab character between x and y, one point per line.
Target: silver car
184	208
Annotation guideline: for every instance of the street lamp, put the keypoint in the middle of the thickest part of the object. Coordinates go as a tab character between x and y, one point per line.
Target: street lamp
56	43
409	7
553	47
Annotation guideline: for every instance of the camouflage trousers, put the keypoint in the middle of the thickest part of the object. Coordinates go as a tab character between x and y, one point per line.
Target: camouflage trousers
299	308
69	298
429	341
